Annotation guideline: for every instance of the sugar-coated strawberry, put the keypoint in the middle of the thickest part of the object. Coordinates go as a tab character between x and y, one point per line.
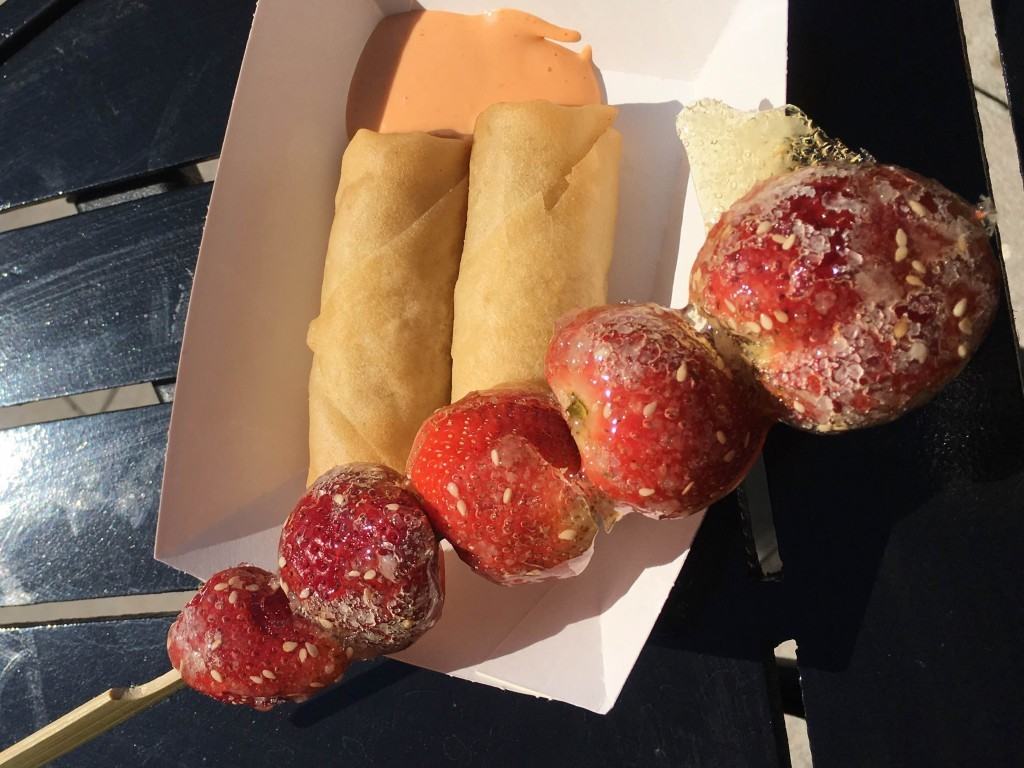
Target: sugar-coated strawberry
238	641
359	557
856	291
663	425
499	473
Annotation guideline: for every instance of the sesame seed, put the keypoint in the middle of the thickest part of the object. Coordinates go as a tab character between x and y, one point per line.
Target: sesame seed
349	651
918	266
788	242
607	410
233	597
217	640
289	645
900	329
681	372
252	587
313	650
304	593
406	623
763	227
235	582
220	587
753	328
461	507
568	534
798	406
965	325
216	676
901	253
962	351
730	306
646	491
370	575
453	489
960	308
781	316
731	323
328	668
268	674
720	437
766	322
915	280
256	679
391	507
354	574
494	457
316	685
649	409
281	562
303	655
901	237
917	208
506	497
284	586
780	239
688	488
326	624
961	245
729	456
918	352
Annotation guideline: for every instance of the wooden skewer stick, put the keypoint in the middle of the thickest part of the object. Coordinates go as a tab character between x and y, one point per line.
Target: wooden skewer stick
88	721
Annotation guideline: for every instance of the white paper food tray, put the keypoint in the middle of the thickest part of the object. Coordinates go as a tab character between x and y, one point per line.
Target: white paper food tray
237	454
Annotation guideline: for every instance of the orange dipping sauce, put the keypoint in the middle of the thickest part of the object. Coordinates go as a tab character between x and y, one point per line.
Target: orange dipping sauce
436	71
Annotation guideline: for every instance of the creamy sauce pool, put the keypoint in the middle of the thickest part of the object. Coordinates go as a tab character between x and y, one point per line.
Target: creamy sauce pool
436	71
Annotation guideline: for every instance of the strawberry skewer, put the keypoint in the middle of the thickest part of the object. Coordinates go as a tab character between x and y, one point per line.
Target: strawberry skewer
359	558
499	474
87	721
664	426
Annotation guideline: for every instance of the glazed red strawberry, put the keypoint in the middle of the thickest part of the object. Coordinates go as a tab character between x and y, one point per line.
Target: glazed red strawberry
499	473
664	427
359	557
238	641
856	291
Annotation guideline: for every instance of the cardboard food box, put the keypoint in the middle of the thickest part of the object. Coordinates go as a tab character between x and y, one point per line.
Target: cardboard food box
237	455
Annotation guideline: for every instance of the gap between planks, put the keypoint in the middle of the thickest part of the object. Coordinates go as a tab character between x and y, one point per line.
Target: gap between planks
61	207
93	609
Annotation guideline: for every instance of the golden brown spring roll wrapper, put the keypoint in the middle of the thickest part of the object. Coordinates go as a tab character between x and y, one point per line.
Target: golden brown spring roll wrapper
543	195
382	343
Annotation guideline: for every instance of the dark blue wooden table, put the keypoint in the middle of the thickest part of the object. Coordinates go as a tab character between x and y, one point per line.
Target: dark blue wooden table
901	545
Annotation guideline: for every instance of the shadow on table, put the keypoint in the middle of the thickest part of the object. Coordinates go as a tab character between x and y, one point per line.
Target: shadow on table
374	677
898	507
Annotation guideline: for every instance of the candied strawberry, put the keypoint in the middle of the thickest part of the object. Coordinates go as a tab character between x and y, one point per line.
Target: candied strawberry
856	291
499	473
663	425
359	557
238	641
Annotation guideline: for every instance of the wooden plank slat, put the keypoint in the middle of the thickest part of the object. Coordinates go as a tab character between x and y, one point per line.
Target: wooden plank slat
116	89
20	17
901	544
78	500
99	299
1009	19
678	708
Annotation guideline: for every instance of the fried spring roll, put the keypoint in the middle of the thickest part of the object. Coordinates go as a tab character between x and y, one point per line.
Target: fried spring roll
543	196
382	342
